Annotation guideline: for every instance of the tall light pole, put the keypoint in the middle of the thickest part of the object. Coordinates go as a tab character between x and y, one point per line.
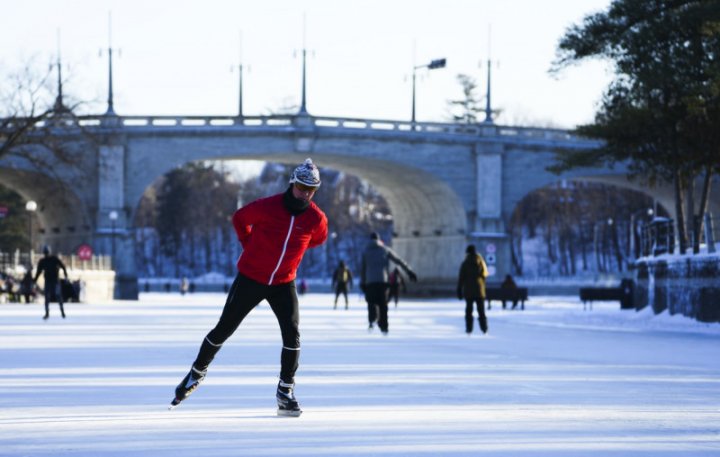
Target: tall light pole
113	215
240	80
596	239
650	212
437	63
31	207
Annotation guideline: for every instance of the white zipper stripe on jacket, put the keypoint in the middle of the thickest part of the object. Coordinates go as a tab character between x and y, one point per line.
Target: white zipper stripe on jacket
282	254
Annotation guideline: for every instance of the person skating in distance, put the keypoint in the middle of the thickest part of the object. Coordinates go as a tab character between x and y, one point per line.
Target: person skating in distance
342	280
50	266
374	282
275	232
471	287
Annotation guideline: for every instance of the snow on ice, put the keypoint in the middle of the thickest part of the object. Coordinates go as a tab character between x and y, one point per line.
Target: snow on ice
552	380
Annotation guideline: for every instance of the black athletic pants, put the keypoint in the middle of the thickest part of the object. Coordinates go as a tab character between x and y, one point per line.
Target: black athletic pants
52	290
341	288
376	295
482	320
245	294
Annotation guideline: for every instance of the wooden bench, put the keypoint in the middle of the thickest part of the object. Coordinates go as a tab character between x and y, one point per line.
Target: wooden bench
497	293
622	294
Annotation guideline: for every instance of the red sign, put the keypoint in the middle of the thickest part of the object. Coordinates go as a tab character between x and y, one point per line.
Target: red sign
84	252
4	211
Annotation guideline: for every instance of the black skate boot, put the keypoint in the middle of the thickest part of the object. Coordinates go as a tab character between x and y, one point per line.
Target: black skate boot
287	404
188	385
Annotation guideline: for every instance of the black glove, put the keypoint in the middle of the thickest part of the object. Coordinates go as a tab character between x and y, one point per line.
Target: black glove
412	276
459	294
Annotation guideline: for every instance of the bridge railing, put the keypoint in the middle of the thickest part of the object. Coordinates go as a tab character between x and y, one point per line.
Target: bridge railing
217	122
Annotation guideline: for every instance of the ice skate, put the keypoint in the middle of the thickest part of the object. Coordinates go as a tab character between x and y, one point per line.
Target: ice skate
187	386
287	403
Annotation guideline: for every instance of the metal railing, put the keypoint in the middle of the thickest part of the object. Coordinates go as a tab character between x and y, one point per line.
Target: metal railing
21	260
210	122
659	237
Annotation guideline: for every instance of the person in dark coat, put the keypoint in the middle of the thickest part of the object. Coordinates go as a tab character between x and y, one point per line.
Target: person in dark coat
51	266
471	287
27	286
374	276
342	280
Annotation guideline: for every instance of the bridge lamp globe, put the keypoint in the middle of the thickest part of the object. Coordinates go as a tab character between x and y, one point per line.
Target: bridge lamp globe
30	207
113	215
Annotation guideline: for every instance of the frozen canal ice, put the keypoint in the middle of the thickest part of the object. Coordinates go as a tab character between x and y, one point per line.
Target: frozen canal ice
552	380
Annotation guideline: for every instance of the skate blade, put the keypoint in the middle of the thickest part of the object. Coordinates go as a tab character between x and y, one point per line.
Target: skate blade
289	413
174	404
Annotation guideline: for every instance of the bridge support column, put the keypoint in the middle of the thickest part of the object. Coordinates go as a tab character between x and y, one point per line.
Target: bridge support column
489	235
495	248
112	235
428	255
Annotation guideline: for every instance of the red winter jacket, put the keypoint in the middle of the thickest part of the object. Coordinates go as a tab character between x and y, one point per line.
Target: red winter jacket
274	240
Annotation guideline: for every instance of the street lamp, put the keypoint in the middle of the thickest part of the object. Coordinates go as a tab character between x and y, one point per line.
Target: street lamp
437	63
113	215
31	207
596	240
333	236
633	233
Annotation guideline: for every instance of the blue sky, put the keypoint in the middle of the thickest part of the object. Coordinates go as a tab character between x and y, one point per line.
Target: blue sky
175	56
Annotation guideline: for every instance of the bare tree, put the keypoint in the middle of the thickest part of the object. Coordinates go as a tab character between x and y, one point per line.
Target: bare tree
35	120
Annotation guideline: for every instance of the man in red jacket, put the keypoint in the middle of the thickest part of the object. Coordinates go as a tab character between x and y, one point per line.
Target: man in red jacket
275	232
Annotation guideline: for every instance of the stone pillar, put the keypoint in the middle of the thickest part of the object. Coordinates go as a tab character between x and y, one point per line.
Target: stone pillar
304	133
489	234
112	236
435	258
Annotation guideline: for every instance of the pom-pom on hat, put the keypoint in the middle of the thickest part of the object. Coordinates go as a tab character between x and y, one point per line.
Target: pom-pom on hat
307	174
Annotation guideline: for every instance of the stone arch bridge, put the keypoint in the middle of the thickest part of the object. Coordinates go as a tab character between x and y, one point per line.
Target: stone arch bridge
446	184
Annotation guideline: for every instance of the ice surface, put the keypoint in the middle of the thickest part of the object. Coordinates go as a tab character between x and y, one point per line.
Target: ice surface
552	380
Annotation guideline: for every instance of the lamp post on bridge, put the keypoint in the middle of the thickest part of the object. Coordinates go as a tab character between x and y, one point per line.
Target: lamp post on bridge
633	245
596	237
31	207
437	63
113	215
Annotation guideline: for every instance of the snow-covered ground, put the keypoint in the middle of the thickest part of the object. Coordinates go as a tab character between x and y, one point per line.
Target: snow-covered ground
552	380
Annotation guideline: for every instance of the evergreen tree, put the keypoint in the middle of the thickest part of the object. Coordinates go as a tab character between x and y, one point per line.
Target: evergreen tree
466	109
657	115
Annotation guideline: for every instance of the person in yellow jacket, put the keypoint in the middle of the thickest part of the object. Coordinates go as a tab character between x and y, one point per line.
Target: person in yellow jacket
471	287
342	278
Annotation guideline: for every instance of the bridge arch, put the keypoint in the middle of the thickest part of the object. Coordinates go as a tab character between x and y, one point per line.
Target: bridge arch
63	219
429	217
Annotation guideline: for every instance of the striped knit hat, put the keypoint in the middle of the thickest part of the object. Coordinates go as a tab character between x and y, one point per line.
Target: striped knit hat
307	174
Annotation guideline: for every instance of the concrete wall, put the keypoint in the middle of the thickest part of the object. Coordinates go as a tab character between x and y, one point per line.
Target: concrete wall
97	286
687	285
